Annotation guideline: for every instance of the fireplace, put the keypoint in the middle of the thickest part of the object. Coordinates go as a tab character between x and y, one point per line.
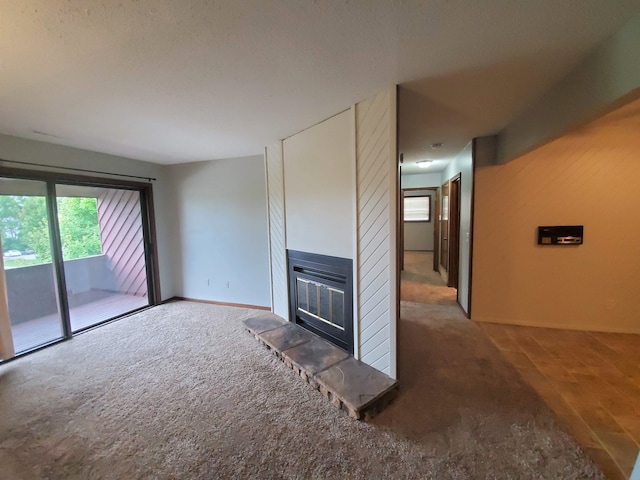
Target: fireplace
321	296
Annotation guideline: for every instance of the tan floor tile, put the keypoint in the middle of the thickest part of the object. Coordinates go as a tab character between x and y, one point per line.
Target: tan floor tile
577	367
590	380
518	359
607	370
595	387
575	394
606	463
494	330
626	387
620	406
556	372
631	424
592	359
630	369
623	449
535	378
506	344
580	431
537	354
598	418
555	401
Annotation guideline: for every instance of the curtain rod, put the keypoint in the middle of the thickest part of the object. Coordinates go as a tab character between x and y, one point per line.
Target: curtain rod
85	170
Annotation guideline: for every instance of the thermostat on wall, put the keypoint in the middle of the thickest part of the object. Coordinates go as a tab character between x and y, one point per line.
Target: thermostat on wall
561	235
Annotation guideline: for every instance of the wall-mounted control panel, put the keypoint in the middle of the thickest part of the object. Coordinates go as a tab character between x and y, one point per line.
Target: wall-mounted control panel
561	235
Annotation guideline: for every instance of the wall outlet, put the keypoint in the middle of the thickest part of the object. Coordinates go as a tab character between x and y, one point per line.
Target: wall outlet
208	282
227	284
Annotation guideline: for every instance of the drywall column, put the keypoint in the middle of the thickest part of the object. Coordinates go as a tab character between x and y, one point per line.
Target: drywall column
277	229
376	177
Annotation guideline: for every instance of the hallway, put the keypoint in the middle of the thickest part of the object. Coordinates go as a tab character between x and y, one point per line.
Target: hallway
590	380
420	284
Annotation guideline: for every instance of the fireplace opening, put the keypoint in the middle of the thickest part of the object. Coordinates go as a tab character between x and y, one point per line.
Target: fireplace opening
321	296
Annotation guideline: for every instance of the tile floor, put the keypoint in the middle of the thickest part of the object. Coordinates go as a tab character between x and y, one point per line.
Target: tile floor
591	380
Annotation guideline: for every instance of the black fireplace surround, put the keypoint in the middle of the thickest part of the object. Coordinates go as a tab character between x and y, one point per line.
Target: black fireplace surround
321	296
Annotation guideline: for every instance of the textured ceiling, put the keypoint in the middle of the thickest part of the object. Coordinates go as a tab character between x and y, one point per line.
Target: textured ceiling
173	81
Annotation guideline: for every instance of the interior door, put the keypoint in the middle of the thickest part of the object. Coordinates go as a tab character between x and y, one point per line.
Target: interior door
454	232
444	228
436	230
400	220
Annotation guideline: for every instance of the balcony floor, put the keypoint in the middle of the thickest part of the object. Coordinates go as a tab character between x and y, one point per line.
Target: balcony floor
32	333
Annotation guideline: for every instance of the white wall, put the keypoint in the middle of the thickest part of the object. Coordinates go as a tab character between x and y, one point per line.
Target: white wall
221	230
13	148
422	180
319	187
463	164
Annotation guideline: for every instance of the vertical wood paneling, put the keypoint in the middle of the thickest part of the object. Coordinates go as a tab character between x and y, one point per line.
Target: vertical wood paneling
120	220
375	162
277	229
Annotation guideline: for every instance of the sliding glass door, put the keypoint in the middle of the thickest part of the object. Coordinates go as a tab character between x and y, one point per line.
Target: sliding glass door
74	255
30	276
102	241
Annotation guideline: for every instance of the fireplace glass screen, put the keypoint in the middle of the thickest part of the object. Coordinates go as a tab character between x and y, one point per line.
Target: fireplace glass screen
321	302
321	296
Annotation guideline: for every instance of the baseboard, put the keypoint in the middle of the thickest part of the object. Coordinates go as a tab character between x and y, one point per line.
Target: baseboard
559	326
212	302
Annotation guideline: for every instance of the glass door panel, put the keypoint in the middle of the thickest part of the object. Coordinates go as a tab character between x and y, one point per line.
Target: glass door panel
32	293
101	234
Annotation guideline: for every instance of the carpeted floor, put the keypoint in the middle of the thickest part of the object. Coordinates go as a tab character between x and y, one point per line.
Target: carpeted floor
182	391
421	284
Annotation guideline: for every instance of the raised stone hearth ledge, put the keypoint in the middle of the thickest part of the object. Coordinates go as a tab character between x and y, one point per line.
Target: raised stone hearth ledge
357	388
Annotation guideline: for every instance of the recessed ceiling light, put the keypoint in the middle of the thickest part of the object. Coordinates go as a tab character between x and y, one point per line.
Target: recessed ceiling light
424	164
436	145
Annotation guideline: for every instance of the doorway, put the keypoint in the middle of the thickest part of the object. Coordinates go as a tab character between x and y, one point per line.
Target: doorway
449	253
454	232
421	281
75	254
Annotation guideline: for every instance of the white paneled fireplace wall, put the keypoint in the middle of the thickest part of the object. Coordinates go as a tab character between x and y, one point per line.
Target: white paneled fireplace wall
332	190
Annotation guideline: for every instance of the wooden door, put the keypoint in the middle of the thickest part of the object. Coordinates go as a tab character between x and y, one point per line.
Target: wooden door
401	227
454	231
435	216
444	228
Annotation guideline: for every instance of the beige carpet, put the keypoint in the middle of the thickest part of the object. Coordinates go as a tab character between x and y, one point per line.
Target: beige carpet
421	284
182	391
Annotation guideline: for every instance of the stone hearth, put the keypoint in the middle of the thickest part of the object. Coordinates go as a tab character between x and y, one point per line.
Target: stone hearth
348	383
